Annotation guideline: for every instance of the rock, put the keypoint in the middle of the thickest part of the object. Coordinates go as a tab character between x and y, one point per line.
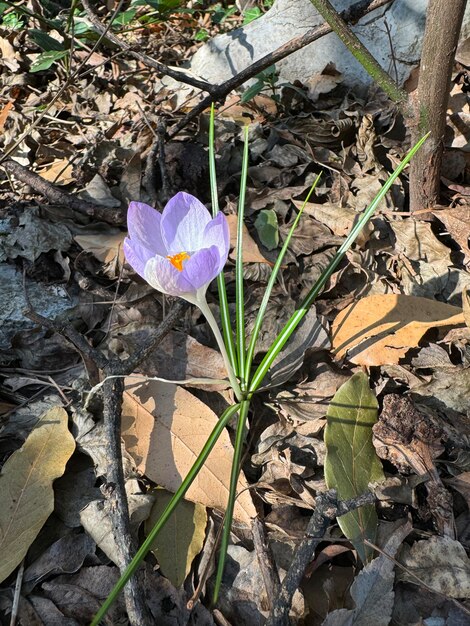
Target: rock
393	34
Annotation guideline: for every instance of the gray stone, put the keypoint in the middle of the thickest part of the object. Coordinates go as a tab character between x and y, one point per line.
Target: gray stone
393	34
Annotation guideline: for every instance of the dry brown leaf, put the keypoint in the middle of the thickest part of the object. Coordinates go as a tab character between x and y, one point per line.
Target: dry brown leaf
26	486
338	219
417	241
8	55
380	329
104	247
440	563
251	253
164	430
4	113
457	222
58	172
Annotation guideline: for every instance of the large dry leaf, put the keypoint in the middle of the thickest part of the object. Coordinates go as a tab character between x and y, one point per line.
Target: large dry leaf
26	486
441	563
417	241
457	223
164	429
106	247
380	329
339	219
59	172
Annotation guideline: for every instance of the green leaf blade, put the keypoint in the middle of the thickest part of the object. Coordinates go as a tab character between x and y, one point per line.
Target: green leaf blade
267	228
351	461
46	59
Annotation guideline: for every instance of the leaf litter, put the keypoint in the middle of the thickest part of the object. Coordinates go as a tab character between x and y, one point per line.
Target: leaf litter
396	309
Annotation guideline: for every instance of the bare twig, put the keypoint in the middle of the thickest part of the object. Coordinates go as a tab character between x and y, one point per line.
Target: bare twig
160	68
359	51
351	15
55	195
326	509
131	363
117	503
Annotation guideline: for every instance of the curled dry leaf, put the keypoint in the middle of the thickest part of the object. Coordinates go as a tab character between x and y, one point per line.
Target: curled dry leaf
372	590
164	430
380	329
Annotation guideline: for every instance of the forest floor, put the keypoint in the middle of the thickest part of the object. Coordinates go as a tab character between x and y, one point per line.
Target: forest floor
95	129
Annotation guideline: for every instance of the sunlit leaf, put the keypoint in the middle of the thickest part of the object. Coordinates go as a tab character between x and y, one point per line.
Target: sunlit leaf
351	462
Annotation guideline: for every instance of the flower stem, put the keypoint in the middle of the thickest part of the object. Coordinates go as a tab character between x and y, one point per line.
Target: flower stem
205	309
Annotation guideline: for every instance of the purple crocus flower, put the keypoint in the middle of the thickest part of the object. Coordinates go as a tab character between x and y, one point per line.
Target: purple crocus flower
180	251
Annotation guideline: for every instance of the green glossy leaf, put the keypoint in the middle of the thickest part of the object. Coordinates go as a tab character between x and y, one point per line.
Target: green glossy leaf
46	59
351	462
181	539
267	228
45	41
252	91
125	17
251	14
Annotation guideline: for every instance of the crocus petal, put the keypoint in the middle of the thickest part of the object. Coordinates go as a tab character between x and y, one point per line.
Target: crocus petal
164	277
217	233
202	267
136	255
184	219
144	223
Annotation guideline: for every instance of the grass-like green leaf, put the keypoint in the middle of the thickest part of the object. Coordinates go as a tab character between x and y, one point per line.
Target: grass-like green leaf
351	461
236	467
223	301
270	285
296	317
239	291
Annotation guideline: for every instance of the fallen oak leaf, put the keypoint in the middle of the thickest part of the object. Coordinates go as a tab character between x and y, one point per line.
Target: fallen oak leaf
164	430
380	329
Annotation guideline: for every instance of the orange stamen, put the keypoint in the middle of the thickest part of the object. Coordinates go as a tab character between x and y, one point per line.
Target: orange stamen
177	260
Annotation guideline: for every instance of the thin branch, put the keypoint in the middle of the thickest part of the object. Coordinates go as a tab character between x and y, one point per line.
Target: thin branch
117	503
55	195
326	509
68	332
113	388
161	68
219	93
359	51
266	561
131	363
